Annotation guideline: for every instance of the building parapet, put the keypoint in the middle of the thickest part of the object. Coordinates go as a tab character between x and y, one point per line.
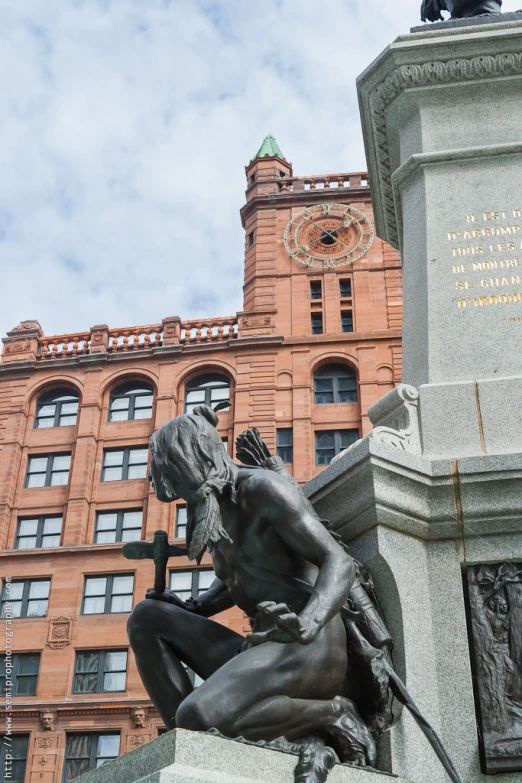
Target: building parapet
102	339
353	180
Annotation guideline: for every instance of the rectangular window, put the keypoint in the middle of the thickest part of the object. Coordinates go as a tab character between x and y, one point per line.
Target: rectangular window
316	289
317	323
38	532
100	671
23	674
25	598
284	445
108	594
14	749
122	464
181	522
345	288
113	526
251	238
331	442
191	583
84	752
49	471
346	321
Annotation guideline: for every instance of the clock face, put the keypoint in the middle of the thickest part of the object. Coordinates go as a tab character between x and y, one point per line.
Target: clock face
328	235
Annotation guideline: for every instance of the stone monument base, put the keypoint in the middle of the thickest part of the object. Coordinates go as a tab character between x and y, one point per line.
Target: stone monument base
184	756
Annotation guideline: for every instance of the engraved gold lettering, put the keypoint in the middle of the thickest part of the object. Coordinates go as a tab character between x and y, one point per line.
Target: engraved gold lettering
458	268
471	219
495	215
463	284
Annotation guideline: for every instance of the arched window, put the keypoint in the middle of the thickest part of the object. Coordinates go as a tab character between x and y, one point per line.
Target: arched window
206	390
131	401
335	383
57	408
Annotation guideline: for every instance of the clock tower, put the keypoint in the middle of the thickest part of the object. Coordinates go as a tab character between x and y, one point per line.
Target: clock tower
313	264
322	296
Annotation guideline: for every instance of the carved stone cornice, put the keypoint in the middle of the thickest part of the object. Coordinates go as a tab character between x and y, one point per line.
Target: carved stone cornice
489	53
422	75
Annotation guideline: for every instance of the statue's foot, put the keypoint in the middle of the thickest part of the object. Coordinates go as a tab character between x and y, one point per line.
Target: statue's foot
349	735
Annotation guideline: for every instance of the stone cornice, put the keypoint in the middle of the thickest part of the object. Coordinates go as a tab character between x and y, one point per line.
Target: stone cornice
398	69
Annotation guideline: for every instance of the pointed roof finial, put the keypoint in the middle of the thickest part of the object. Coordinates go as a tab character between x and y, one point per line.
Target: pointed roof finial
269	149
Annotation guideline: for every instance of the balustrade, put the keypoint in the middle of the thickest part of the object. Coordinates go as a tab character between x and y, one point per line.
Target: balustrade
358	180
65	345
134	338
212	330
138	338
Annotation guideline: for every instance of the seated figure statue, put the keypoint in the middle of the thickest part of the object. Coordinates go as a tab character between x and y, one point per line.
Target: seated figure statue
317	663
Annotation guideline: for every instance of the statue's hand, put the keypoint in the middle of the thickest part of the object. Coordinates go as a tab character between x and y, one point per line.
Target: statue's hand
288	626
169	597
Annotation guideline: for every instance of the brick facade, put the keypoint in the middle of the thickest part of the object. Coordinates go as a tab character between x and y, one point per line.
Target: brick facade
268	354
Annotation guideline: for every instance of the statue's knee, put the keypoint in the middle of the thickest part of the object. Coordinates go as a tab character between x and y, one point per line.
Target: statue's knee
192	715
139	622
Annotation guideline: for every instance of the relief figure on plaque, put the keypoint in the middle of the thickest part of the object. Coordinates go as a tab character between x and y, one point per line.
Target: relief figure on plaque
496	614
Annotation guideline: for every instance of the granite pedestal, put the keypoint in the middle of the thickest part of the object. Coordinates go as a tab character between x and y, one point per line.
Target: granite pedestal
186	756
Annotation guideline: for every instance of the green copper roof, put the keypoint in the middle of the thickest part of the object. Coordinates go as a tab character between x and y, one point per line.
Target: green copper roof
269	149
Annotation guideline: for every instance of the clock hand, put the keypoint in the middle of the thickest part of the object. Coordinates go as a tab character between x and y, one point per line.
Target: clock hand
319	227
336	239
341	225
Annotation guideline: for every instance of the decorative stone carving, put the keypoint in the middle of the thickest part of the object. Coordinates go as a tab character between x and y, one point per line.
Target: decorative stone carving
26	327
48	722
396	421
419	75
139	717
45	742
59	632
495	597
256	320
138	739
18	347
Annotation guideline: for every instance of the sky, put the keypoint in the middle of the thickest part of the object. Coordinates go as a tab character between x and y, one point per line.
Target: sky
125	129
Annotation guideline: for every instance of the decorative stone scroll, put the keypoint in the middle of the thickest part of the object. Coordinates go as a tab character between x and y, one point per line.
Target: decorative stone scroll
495	598
396	421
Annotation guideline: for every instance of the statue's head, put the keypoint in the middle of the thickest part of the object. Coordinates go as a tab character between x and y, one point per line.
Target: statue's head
187	452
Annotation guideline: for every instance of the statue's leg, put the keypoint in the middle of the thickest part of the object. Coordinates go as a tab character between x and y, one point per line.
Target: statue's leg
275	690
163	636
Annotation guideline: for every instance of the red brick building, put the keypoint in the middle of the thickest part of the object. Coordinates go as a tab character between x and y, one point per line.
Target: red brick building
318	341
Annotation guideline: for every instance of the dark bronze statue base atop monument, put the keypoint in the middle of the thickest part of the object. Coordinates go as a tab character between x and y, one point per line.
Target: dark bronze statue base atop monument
471	21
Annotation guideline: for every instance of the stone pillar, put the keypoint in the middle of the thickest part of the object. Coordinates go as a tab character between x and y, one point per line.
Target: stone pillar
171	330
435	490
441	120
99	338
21	343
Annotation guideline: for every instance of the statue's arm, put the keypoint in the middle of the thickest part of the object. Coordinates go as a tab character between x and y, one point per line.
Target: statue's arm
215	600
308	538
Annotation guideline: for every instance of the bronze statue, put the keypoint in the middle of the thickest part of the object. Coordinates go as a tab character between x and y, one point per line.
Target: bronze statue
459	9
315	674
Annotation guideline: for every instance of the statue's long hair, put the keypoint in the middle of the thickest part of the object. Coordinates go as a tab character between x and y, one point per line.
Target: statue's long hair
189	451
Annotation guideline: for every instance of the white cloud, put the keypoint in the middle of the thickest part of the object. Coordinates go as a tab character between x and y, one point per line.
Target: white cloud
126	128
